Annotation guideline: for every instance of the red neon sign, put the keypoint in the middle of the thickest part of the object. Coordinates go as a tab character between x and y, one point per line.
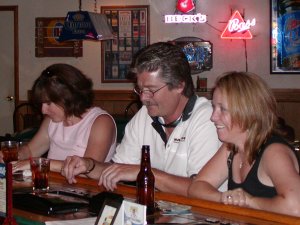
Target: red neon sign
237	28
185	6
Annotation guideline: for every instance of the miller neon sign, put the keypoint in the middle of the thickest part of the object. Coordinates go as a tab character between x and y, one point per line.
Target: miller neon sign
238	28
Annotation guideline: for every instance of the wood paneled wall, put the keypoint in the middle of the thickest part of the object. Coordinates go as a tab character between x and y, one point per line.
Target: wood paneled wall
288	100
115	102
289	107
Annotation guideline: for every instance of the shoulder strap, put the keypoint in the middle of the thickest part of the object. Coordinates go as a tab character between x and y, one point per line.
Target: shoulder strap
229	159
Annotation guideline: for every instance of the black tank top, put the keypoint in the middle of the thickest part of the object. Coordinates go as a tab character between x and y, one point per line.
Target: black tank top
251	184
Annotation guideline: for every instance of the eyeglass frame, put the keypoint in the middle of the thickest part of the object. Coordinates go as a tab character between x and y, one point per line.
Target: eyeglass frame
139	93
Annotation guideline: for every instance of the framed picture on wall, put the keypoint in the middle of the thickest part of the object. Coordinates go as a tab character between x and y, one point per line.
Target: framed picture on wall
130	26
198	52
285	37
47	31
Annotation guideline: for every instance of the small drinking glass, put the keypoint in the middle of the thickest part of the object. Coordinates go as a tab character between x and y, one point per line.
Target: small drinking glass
40	168
10	151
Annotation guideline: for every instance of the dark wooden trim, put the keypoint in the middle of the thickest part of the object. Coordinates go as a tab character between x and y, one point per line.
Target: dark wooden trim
115	95
281	95
109	95
16	53
116	101
16	49
287	95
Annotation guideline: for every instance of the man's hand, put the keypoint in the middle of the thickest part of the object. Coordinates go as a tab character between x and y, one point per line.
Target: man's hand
73	166
118	172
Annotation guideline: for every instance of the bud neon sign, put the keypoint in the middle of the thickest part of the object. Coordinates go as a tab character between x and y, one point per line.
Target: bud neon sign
237	28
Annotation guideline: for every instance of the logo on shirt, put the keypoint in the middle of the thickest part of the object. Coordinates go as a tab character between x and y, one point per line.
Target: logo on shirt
178	140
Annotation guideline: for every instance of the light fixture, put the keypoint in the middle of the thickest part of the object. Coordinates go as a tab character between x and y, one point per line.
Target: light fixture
84	25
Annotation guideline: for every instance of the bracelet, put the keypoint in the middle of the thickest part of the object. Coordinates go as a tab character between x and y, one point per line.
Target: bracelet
93	166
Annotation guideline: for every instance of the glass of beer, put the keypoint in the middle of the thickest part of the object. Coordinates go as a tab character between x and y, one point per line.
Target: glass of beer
40	168
10	151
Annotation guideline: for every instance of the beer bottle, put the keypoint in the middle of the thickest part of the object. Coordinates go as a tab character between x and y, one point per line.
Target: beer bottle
145	182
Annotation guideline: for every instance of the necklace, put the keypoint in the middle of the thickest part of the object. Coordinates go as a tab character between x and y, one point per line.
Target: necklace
242	162
173	123
241	165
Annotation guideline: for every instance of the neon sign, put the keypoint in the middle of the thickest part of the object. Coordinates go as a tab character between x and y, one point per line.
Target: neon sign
238	28
185	6
197	18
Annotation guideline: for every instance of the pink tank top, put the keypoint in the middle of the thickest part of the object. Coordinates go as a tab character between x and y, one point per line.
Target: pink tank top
72	140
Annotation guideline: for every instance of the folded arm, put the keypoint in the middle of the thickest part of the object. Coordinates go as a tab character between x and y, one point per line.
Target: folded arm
279	168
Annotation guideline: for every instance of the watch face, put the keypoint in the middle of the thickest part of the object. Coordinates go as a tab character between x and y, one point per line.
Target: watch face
198	52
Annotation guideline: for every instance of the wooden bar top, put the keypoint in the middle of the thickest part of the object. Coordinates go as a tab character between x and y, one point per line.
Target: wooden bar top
200	208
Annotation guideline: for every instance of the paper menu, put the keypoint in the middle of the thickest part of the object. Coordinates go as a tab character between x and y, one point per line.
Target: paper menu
131	213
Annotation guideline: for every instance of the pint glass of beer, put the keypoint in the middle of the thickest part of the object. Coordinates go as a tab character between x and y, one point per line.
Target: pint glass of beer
40	168
10	151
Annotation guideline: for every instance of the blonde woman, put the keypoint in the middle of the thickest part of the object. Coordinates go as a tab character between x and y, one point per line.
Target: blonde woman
261	167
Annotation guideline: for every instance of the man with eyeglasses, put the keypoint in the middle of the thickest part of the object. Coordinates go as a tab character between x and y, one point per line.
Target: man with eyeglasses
173	121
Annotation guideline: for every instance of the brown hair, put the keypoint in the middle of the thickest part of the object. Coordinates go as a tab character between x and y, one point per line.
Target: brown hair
65	86
171	63
252	106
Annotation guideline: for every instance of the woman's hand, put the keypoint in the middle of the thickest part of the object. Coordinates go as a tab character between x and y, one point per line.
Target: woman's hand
235	197
21	165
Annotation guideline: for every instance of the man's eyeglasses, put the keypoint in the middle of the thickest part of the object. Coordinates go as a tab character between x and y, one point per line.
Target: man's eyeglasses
147	93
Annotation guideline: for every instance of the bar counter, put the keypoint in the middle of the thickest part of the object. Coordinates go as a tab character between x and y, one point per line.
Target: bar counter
200	208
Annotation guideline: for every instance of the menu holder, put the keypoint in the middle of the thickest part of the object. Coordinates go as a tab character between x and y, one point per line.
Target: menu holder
131	213
113	209
6	194
108	212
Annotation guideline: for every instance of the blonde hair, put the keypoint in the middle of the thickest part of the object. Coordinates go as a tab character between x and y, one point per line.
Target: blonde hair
252	107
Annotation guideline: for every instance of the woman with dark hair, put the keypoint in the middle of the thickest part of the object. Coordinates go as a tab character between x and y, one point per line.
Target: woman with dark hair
72	126
261	167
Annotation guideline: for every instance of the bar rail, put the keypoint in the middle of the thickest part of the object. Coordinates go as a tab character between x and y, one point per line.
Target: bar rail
200	207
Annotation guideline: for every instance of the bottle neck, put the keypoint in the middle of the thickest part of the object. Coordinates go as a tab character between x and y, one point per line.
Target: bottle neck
145	159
